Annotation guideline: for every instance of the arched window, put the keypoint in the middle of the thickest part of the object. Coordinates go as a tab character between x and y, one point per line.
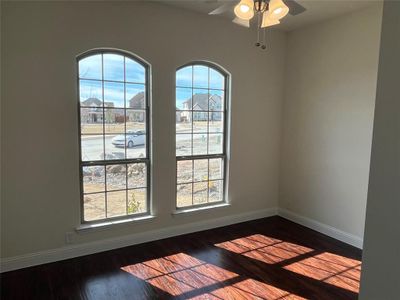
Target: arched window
114	135
201	134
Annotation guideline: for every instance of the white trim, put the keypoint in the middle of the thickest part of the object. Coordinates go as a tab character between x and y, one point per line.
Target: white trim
333	232
71	251
109	224
200	209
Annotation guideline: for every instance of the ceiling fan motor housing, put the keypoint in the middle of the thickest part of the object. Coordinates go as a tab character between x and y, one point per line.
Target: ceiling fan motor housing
261	6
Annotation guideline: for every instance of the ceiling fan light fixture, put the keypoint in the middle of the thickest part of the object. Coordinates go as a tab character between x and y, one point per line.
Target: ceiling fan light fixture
278	9
244	10
268	13
268	21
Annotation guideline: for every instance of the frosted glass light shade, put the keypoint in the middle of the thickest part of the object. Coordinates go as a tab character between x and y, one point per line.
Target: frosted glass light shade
277	9
245	9
268	21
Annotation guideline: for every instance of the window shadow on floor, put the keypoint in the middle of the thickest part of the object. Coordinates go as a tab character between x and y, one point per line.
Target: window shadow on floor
251	265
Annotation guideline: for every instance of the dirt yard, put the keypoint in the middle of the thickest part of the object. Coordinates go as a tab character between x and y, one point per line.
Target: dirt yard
112	128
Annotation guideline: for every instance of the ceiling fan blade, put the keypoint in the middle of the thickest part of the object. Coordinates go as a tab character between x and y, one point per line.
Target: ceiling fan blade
245	23
294	7
220	10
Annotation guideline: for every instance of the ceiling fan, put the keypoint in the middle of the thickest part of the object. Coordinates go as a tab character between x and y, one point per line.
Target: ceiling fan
267	12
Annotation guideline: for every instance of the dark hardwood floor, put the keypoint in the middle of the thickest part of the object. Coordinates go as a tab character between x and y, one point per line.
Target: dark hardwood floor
271	258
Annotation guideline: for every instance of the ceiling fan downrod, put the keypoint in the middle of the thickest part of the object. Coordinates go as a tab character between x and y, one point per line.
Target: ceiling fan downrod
260	6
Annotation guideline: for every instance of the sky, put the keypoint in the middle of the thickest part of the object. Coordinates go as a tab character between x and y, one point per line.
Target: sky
189	80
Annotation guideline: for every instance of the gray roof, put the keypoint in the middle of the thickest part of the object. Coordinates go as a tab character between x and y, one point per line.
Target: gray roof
96	102
200	101
92	102
137	101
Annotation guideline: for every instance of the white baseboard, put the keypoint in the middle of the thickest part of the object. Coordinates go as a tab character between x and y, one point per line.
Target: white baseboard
71	251
333	232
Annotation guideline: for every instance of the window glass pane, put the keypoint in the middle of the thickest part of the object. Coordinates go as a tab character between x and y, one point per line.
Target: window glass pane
200	169
184	171
91	93
136	151
92	147
184	195
136	121
216	168
116	204
183	121
200	191
135	96
200	76
115	146
137	201
215	190
92	120
90	67
116	177
94	207
114	94
216	100
137	175
93	179
200	121
183	144
200	99
215	142
136	134
113	67
216	122
135	72
184	77
217	80
114	120
183	98
199	144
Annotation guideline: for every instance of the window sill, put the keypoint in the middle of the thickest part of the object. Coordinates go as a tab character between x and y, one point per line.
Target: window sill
108	224
191	210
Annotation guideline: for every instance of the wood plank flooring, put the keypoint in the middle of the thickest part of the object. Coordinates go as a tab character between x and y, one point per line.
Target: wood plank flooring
270	258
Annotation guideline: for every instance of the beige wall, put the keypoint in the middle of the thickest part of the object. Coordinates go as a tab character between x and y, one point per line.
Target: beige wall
330	85
380	273
39	127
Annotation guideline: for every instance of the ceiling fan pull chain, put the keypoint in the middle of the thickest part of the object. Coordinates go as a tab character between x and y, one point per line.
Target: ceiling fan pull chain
258	30
264	45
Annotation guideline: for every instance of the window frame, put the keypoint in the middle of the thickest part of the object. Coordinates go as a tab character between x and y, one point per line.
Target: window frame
146	160
225	144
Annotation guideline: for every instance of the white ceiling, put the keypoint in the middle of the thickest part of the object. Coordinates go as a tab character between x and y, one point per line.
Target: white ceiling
317	10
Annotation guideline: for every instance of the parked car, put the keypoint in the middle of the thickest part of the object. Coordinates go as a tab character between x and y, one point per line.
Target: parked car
133	138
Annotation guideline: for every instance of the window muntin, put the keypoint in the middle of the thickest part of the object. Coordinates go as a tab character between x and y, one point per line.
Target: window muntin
200	135
114	135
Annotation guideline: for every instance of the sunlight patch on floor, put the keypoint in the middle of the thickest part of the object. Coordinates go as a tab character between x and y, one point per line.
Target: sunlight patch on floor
334	269
186	276
265	249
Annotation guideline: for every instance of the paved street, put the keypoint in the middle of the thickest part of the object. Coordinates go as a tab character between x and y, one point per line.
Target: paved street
92	148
